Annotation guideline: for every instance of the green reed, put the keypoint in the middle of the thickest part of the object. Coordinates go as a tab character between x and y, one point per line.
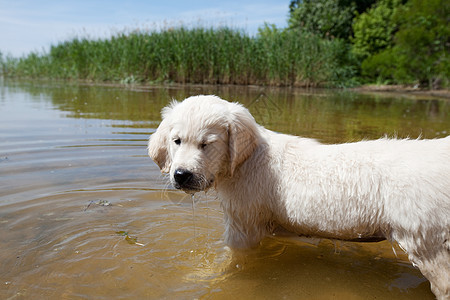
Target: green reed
199	55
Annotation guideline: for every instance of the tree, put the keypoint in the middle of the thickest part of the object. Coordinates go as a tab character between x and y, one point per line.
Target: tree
419	51
424	39
374	29
361	5
327	18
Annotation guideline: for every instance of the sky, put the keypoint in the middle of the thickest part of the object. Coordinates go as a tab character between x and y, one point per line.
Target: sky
30	25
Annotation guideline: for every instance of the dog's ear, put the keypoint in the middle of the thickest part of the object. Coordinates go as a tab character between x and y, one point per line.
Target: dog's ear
242	134
159	142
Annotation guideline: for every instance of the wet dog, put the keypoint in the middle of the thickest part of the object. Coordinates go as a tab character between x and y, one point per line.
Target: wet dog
368	190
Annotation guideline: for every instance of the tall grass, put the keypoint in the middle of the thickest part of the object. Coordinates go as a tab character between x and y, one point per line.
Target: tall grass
199	55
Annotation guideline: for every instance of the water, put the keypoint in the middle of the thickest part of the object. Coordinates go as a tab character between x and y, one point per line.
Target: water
84	213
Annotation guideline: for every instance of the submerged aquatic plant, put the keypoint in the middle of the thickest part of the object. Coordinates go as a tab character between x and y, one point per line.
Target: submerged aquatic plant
129	239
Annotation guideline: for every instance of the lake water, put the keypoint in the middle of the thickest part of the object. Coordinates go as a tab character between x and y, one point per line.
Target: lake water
85	214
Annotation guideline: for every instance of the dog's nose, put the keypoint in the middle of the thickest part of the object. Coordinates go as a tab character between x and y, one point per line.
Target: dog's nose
182	177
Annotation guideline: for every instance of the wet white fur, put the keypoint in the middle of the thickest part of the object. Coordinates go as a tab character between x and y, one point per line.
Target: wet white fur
396	188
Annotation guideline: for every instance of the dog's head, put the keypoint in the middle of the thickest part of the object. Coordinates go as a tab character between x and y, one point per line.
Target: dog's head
202	139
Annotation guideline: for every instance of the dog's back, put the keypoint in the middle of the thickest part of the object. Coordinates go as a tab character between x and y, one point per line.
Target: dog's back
400	188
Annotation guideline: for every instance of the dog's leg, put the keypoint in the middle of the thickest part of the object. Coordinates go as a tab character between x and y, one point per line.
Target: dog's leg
242	236
433	260
437	271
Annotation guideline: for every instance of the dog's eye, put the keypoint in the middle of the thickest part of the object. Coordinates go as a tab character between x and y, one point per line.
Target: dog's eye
177	141
203	145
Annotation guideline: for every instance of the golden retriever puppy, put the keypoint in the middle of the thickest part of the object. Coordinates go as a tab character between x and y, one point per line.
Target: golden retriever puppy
369	190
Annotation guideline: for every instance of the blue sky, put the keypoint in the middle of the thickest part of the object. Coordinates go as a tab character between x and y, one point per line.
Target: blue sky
29	25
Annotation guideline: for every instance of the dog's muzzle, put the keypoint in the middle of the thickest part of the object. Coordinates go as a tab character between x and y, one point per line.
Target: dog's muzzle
188	181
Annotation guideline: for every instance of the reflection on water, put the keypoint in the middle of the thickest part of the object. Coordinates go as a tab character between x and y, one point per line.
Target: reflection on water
74	172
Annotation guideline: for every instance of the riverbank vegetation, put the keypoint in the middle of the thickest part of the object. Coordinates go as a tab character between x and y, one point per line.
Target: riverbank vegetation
327	43
198	55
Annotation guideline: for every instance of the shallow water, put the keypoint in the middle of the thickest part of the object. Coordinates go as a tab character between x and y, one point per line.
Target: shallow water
84	213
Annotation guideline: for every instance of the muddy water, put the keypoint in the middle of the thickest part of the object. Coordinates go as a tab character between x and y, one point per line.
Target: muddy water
85	214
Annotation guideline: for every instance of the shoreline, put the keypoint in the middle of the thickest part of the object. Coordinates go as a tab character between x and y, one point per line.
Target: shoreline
385	90
402	89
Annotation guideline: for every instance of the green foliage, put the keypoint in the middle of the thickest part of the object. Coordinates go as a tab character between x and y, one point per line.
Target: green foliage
420	53
327	18
301	58
199	55
360	5
391	42
382	67
424	38
374	30
7	64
